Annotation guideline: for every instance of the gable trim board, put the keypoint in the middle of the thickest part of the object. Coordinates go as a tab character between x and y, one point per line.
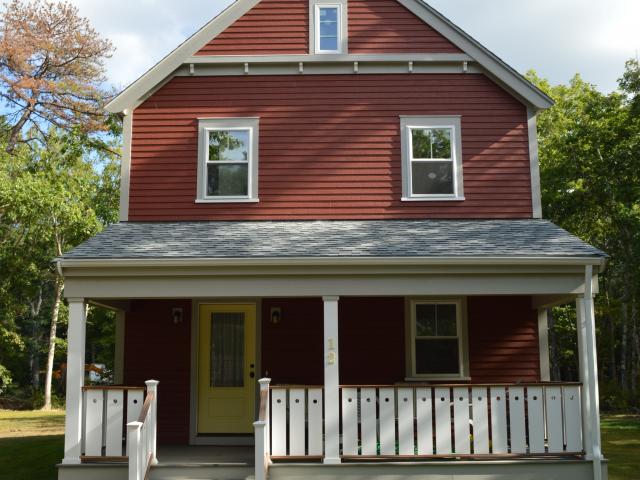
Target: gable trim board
132	96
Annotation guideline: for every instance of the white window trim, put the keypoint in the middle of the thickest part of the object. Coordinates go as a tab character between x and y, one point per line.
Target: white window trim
207	125
314	26
409	123
463	345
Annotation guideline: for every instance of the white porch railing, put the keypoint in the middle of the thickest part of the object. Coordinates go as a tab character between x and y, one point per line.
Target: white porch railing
120	425
432	421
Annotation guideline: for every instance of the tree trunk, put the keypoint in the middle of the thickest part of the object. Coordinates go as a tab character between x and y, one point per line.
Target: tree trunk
635	347
623	347
15	131
34	352
52	343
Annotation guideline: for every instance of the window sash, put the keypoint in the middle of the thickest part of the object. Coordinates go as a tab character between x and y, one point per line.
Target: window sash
458	337
452	160
318	35
208	162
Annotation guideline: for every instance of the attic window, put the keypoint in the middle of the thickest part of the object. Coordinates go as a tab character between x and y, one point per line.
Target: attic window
328	28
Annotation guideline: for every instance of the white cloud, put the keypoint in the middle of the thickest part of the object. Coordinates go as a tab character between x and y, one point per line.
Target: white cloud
556	38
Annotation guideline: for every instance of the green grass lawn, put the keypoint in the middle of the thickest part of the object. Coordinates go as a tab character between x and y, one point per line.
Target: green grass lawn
31	444
621	445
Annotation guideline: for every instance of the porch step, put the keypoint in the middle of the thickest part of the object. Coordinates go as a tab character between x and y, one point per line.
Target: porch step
201	472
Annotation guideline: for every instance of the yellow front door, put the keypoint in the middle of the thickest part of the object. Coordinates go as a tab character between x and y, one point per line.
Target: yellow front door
226	369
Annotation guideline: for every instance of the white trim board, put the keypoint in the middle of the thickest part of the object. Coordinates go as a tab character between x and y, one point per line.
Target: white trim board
496	68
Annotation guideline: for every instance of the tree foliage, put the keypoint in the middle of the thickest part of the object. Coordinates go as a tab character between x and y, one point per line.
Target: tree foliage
51	70
590	172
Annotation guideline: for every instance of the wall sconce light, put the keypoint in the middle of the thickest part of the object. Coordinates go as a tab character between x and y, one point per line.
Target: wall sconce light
276	315
176	314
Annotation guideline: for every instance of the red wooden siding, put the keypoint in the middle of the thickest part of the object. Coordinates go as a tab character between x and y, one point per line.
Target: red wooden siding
330	146
503	347
385	26
157	349
273	27
503	340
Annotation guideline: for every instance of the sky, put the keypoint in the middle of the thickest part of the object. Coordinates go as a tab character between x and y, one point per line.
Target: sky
557	38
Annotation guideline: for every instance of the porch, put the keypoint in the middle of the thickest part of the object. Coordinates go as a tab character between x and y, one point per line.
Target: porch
424	366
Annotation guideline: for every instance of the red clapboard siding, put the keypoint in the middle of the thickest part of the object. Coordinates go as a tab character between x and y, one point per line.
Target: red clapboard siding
273	27
385	26
330	146
157	349
503	340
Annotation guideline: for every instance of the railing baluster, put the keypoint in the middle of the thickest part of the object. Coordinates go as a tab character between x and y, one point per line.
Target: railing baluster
387	421
368	421
297	422
350	421
498	420
553	399
480	412
517	420
461	420
315	421
442	399
572	418
424	421
94	423
535	413
406	435
279	423
114	422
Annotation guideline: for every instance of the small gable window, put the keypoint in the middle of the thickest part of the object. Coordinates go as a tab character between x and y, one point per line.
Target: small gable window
328	28
432	158
228	163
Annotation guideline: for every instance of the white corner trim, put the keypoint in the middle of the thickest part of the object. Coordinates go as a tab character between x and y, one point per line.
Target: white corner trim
171	62
534	161
543	345
125	164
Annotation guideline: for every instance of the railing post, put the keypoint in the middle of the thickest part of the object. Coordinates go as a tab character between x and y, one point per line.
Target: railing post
75	381
331	382
261	429
152	387
133	441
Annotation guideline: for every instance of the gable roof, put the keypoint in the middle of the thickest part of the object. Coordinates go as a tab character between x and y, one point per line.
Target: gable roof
354	239
494	66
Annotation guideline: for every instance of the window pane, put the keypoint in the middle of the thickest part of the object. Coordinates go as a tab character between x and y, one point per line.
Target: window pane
426	320
227	350
431	143
446	319
437	357
329	43
227	180
328	29
432	178
328	14
229	145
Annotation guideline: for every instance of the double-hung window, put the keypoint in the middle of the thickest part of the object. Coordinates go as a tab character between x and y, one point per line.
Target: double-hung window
432	158
437	339
228	163
328	28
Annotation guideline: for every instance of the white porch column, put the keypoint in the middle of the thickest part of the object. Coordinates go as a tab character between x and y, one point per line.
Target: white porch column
331	382
543	344
75	380
589	374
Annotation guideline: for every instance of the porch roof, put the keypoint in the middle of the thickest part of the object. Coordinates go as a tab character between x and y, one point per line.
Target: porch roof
334	239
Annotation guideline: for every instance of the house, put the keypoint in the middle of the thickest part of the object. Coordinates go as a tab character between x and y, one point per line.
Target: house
331	257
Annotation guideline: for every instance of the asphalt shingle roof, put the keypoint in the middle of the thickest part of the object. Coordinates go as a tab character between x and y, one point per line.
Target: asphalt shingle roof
313	239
